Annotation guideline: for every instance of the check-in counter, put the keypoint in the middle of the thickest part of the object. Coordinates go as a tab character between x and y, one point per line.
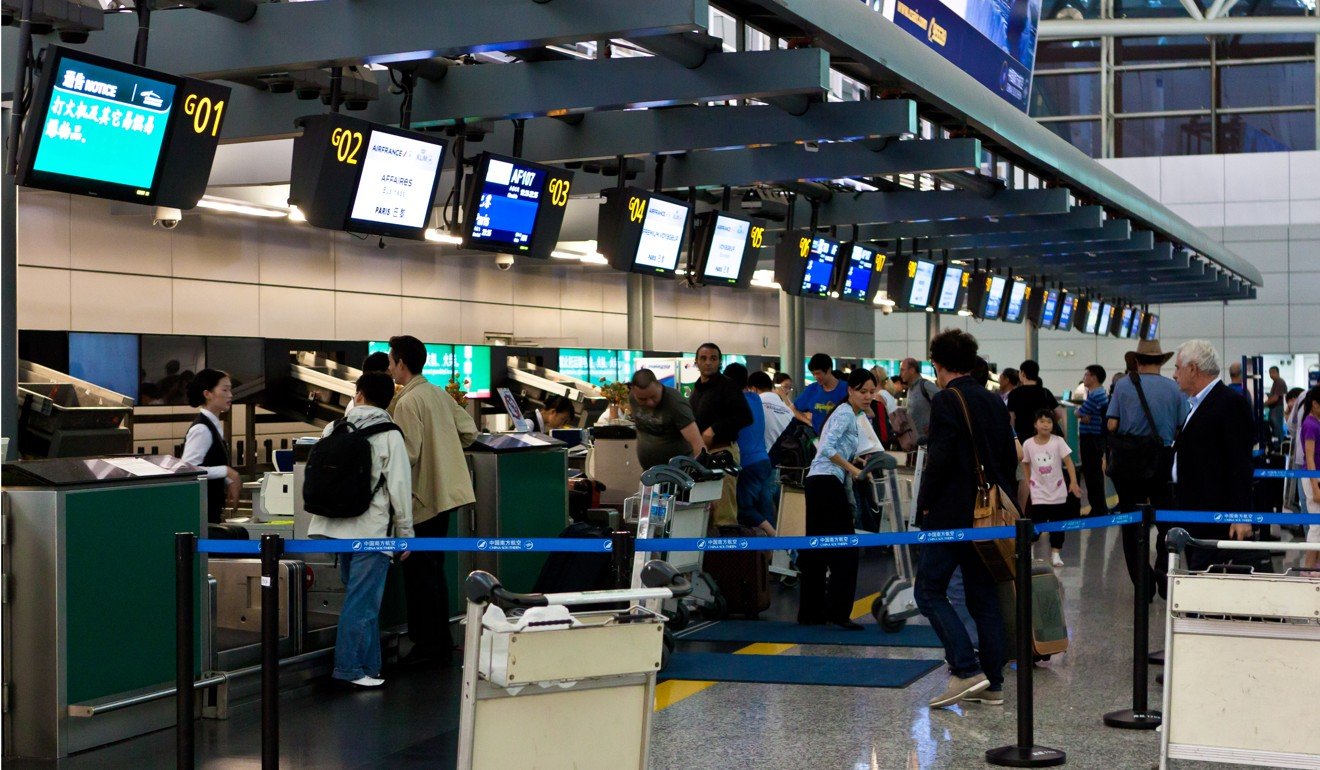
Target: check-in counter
89	632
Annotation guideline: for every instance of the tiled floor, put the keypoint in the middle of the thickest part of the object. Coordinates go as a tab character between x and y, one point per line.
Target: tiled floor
413	721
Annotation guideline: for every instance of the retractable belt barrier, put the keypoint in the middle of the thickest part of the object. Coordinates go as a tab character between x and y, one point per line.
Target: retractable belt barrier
1291	473
1223	517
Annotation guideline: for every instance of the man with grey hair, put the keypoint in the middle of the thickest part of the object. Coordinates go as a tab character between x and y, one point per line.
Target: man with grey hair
1212	466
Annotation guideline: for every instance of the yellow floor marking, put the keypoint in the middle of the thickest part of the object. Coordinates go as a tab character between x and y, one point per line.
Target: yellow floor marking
671	692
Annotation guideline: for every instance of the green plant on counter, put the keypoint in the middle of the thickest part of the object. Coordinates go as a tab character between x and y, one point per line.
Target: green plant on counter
616	393
457	392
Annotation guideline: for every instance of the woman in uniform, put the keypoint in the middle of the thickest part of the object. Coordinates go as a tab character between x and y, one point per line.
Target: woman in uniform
205	444
558	413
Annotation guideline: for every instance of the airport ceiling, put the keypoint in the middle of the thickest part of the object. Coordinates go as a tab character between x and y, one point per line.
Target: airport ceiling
932	162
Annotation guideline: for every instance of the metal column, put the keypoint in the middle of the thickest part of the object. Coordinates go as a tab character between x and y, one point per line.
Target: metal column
932	328
9	302
792	334
641	312
1032	347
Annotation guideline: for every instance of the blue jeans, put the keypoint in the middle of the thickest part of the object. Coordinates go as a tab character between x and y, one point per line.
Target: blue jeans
357	646
756	494
937	563
958	598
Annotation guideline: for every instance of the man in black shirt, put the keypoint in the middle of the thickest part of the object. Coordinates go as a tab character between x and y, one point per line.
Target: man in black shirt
1028	398
721	411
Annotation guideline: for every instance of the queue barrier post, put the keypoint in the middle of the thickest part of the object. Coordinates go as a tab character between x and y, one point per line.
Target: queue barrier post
272	547
185	630
621	550
1025	753
1140	716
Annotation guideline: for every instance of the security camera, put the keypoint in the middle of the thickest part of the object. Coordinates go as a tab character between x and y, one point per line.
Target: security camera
504	261
811	146
167	217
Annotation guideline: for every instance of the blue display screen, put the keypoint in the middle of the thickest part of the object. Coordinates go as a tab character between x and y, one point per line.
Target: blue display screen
575	363
1016	299
861	271
1153	327
108	360
1067	306
820	267
995	300
510	200
1050	309
105	125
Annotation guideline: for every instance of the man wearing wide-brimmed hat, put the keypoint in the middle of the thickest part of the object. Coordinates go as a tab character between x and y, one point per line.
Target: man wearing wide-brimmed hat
1140	437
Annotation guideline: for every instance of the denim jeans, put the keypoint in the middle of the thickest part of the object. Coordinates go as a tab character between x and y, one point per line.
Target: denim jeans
937	564
756	489
958	598
357	646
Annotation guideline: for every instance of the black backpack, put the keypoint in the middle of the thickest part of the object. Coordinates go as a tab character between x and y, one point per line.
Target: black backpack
795	447
337	482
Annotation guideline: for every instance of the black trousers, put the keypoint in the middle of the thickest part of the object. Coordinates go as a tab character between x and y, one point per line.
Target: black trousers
1093	472
1042	514
829	575
427	592
1131	496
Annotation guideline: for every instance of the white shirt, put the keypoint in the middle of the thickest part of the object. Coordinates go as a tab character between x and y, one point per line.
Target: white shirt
197	443
1192	403
891	403
777	417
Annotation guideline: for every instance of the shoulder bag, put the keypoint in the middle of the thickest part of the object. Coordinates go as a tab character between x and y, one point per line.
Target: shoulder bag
992	508
1134	456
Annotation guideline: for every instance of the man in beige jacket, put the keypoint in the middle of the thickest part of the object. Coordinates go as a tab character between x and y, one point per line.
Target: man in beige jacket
435	430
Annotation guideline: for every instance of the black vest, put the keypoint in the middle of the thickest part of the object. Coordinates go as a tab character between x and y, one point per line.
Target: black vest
218	454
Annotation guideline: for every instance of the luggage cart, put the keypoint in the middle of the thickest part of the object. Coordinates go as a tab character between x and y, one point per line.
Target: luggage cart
1236	687
897	601
674	502
790	522
551	688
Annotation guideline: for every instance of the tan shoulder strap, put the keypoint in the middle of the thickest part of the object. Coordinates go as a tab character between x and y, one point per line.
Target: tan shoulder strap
976	455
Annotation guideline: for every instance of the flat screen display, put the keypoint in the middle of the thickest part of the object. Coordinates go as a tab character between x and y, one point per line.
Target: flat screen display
949	287
1125	321
994	41
1152	330
728	248
1092	317
662	236
1049	310
398	181
468	364
1017	301
1106	325
1067	306
820	267
994	300
108	360
99	128
861	273
575	363
515	207
922	281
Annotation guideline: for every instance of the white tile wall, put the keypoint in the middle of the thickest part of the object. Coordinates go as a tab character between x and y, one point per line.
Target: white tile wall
43	229
367	316
297	256
297	313
43	298
211	308
218	248
117	238
361	266
433	320
108	302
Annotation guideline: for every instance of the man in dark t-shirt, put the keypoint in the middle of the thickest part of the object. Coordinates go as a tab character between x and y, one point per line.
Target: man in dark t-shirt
1030	397
666	427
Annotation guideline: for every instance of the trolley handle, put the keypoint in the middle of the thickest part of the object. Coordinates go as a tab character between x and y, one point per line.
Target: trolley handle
1179	539
660	579
667	474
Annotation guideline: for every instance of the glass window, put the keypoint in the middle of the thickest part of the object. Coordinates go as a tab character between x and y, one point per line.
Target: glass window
1267	132
1150	50
1082	134
169	363
1267	85
1056	54
1060	95
1140	137
1257	46
1161	90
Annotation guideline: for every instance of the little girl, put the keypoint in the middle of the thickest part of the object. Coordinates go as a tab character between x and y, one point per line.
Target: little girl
1044	458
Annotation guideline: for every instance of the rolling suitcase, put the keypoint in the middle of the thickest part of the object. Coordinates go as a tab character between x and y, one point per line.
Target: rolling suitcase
1049	629
743	577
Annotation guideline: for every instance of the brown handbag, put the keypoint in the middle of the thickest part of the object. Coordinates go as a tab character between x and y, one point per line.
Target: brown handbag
991	509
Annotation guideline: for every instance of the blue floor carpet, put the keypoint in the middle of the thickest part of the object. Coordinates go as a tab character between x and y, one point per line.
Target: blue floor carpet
796	669
781	632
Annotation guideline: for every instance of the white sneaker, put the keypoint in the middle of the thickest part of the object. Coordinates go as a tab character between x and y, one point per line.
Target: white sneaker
1055	560
367	681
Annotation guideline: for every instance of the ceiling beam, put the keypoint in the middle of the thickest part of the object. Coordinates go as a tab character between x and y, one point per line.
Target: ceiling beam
1080	218
1113	230
294	36
1039	256
1069	29
908	206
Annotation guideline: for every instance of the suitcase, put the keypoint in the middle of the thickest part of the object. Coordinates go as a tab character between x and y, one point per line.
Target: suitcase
1049	629
565	572
743	577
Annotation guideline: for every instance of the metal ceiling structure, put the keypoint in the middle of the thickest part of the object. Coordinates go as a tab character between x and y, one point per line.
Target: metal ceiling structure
937	162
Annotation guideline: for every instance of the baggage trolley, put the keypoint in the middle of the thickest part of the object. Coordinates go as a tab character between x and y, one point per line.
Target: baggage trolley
1239	653
791	521
552	688
897	601
674	502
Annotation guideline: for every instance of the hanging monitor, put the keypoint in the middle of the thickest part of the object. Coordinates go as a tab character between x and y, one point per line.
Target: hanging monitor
1106	319
1044	308
1134	324
1150	330
1067	307
911	282
1015	307
1124	321
515	207
365	178
642	232
952	281
859	272
1093	308
107	129
987	296
725	248
804	264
